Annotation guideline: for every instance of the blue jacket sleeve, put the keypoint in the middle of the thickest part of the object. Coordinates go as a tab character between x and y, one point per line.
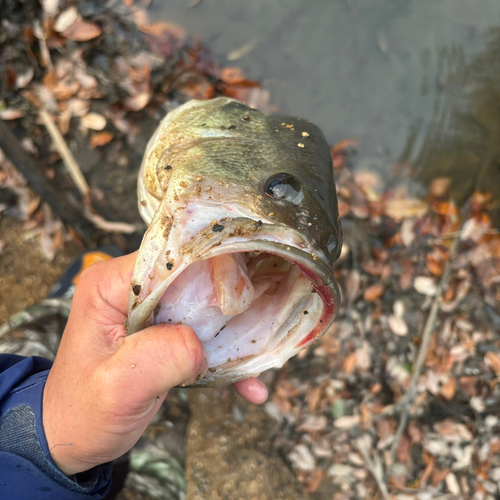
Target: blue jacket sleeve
27	470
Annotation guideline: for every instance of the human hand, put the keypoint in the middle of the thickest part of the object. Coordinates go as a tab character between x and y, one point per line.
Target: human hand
105	387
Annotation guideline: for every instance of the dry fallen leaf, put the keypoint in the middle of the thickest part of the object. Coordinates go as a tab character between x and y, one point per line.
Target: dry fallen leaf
347	421
100	139
407	232
398	308
440	186
314	482
23	79
66	19
448	388
425	285
445	208
232	76
405	208
373	292
81	31
397	325
452	483
349	363
302	458
438	475
50	7
10	114
363	358
340	470
137	102
346	143
435	265
163	29
493	360
93	121
313	423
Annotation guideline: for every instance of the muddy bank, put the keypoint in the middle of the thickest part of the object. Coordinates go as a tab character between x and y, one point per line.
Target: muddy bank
229	451
26	275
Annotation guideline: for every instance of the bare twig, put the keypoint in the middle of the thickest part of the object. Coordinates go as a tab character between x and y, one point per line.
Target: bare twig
79	180
375	465
110	226
66	155
406	401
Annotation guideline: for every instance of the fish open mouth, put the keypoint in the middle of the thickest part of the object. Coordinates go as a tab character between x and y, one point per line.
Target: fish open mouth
252	292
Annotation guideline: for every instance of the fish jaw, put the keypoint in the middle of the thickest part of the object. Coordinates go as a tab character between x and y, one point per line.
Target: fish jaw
275	326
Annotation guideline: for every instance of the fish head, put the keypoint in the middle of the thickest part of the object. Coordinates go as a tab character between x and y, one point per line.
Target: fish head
243	232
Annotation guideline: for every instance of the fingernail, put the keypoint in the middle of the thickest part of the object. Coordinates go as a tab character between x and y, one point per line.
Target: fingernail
201	372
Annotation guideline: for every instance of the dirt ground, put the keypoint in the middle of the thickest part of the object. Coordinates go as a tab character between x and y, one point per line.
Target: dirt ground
26	276
230	454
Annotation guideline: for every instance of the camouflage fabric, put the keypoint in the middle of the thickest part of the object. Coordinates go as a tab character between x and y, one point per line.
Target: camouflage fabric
156	463
37	330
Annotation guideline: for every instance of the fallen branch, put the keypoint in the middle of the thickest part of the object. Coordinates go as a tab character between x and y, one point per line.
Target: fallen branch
67	156
375	465
110	226
40	184
406	401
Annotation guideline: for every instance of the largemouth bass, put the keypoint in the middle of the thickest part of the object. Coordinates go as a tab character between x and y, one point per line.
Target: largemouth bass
243	232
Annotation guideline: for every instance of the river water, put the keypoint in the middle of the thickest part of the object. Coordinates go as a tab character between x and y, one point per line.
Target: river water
416	81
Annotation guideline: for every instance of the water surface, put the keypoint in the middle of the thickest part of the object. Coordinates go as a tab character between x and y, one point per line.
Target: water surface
412	79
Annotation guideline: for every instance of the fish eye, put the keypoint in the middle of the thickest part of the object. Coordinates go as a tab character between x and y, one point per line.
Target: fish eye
284	187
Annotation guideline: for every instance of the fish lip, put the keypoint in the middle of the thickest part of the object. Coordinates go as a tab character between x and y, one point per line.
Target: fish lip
313	266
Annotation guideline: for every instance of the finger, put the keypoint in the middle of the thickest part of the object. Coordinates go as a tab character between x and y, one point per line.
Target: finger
252	389
153	361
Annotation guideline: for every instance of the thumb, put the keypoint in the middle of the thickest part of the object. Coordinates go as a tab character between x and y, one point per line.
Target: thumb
156	359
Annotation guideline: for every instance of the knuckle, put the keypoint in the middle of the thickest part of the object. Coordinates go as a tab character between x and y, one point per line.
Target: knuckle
87	291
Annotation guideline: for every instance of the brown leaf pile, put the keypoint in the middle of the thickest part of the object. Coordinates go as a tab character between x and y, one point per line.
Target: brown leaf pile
350	381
